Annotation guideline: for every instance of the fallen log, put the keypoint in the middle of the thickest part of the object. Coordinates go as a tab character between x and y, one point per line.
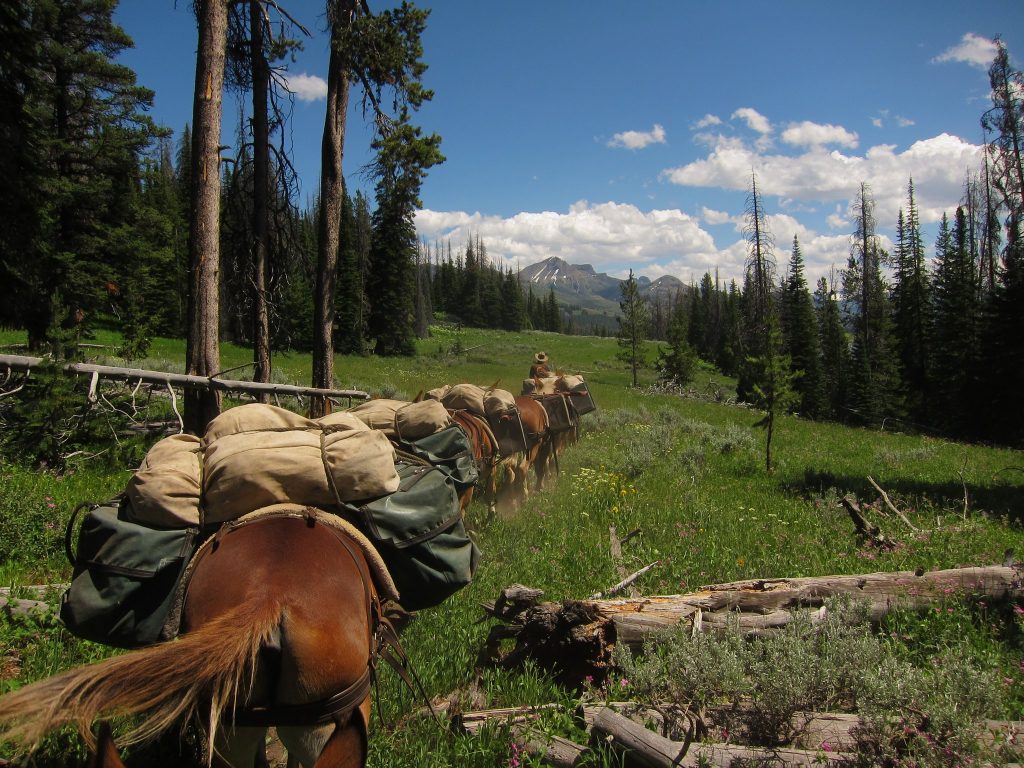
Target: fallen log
642	747
574	639
17	608
21	363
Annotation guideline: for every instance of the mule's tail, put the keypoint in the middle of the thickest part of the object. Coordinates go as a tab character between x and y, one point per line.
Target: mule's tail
165	683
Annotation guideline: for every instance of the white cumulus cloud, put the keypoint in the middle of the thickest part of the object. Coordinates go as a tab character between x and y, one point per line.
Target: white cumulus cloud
611	236
754	119
936	164
638	139
306	87
972	49
808	134
707	121
712	216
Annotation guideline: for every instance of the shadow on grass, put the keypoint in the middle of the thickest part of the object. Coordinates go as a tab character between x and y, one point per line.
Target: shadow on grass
1003	499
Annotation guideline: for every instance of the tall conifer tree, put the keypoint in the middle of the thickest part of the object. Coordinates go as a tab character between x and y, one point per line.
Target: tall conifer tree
800	335
910	303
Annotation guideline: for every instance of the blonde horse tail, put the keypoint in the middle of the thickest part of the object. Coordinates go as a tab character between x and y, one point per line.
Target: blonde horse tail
165	683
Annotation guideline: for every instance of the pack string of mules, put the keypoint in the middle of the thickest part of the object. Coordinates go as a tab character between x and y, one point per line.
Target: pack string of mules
254	571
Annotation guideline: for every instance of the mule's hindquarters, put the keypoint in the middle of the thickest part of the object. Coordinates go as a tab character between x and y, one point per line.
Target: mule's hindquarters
320	646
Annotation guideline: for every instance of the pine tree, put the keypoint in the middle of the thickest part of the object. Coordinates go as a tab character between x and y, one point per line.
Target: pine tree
79	123
552	314
1003	361
512	310
758	306
203	342
633	326
469	288
676	362
800	338
403	157
954	328
835	351
910	301
873	379
773	390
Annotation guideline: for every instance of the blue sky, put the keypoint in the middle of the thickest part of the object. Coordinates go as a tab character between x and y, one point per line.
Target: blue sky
624	134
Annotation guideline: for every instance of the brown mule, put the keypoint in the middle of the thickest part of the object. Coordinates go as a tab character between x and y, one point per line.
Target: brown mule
515	489
485	455
278	627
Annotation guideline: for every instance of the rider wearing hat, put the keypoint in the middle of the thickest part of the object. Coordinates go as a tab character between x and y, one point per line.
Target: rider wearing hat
540	369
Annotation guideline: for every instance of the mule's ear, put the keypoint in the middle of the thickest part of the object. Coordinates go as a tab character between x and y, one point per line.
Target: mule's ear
106	751
496	383
419	397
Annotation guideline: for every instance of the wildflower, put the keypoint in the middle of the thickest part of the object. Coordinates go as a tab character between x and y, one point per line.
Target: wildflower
1018	610
740	562
623	683
826	747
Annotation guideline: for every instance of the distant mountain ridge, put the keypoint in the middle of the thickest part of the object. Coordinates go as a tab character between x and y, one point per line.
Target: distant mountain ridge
579	286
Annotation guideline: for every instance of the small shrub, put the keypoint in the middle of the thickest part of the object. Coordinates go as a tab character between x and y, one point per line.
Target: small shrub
930	715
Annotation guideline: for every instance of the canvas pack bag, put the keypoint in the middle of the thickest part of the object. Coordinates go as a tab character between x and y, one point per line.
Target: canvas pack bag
125	575
499	404
321	468
579	394
450	451
401	420
420	533
165	491
465	397
561	417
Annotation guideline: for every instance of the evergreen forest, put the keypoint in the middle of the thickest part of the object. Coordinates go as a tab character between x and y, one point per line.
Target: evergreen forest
102	233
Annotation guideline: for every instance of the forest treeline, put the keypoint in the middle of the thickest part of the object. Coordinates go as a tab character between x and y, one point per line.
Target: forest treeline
936	346
111	224
97	232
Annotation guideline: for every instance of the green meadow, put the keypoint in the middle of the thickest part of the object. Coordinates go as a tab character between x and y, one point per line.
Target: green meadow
687	472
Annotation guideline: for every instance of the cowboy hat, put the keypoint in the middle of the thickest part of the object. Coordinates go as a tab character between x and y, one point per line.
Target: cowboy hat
540	357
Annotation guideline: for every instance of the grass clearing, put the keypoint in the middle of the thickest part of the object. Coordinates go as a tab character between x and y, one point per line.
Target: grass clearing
688	473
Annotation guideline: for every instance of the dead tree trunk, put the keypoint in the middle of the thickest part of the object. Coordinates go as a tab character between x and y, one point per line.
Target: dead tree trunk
260	196
203	344
575	639
332	188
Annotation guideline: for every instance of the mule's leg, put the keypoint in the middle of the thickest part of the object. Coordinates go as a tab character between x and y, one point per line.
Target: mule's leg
347	746
304	744
106	751
238	747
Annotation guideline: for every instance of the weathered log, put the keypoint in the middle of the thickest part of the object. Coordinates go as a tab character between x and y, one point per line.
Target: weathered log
574	640
21	363
553	750
16	608
39	590
642	747
866	529
472	722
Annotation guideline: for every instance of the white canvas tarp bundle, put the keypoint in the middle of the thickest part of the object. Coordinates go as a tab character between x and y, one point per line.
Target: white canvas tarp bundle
403	421
490	403
543	386
254	456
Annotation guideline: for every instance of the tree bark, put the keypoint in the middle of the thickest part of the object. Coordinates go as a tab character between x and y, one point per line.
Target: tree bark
260	197
203	344
332	188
